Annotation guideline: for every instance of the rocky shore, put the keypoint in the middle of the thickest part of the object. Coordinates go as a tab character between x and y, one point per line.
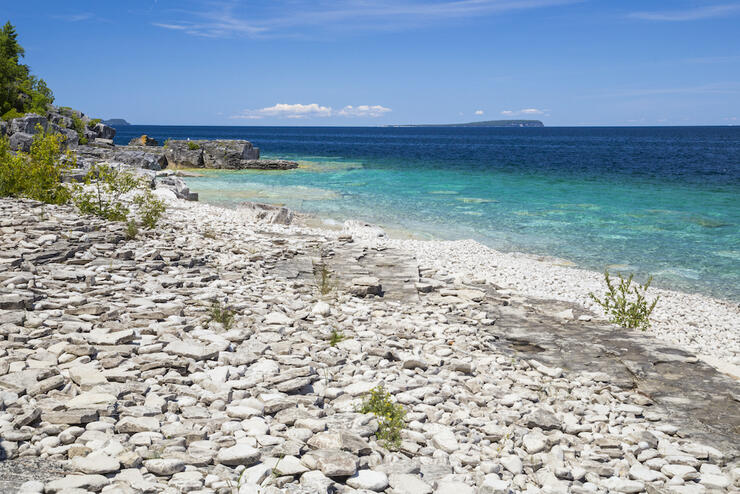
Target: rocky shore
116	377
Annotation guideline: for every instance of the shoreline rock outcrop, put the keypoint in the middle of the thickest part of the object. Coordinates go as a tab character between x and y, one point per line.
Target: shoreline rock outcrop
223	154
73	124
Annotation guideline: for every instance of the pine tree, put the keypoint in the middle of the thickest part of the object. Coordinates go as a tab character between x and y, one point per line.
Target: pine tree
20	92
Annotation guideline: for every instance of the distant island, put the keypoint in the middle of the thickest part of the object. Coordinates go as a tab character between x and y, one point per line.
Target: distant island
487	123
116	122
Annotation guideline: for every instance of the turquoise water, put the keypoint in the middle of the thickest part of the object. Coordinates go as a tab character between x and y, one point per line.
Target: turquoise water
660	201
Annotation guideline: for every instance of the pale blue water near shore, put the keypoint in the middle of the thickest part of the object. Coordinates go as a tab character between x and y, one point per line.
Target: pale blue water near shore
663	201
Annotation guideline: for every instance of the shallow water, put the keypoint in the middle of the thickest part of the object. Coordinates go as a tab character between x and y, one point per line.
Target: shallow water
663	201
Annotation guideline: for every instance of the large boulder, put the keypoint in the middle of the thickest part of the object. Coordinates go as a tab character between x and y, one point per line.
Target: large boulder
21	141
104	131
61	120
226	154
176	185
27	124
179	155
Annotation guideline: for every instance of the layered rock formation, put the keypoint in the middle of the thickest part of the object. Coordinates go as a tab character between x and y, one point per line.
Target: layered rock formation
228	154
220	154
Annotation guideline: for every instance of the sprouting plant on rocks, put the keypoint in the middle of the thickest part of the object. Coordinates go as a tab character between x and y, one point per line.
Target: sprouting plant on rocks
150	209
336	337
275	471
131	230
626	302
104	196
390	416
193	146
209	233
105	191
222	314
324	278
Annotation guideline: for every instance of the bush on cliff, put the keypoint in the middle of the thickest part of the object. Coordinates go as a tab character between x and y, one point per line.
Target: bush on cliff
38	173
20	92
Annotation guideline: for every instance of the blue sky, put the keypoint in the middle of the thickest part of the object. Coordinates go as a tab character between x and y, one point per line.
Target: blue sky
364	62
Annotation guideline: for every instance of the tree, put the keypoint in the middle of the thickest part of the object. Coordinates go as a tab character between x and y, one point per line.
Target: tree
20	92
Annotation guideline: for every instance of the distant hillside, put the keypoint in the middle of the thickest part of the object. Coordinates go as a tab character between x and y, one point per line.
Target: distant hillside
116	122
487	123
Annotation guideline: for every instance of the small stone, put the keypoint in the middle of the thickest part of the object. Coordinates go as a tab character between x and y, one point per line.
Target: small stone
368	479
512	463
445	440
164	467
95	463
241	454
453	487
406	483
93	483
534	442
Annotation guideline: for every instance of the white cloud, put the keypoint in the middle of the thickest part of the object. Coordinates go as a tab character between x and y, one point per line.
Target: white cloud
524	111
312	110
699	13
479	112
363	111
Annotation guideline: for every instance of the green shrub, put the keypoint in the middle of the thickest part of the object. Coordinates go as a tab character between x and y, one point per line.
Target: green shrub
131	230
11	114
150	209
92	123
336	338
324	278
221	313
79	127
193	146
104	195
390	416
626	303
38	173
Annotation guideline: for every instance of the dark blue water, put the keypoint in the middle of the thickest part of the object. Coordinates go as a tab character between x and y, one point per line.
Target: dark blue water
662	200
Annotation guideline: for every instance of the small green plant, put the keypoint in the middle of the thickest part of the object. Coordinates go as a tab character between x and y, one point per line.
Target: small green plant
209	233
78	127
11	114
37	174
193	146
150	209
390	416
131	230
221	313
324	278
104	195
626	302
92	123
336	338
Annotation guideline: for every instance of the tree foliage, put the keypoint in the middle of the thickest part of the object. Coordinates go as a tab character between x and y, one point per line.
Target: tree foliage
20	91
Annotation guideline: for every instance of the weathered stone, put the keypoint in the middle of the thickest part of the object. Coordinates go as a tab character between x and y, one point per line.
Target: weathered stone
241	454
164	467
